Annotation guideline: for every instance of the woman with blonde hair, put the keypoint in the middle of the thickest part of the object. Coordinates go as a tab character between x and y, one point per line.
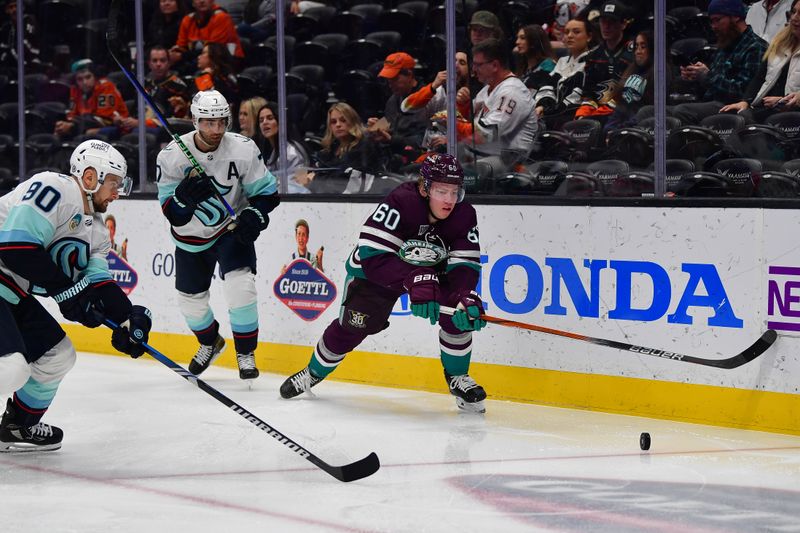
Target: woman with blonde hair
345	148
248	115
776	86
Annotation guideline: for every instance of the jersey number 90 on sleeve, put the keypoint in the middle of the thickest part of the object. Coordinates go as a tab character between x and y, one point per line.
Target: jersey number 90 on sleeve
45	199
387	216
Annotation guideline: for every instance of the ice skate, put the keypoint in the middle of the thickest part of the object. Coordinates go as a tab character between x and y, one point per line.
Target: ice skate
247	365
299	383
469	395
15	438
206	355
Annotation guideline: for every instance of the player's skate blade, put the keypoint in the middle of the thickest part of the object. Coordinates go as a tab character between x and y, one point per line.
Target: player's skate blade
247	365
298	383
470	407
206	354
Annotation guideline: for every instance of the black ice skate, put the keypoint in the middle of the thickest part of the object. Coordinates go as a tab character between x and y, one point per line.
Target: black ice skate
15	438
206	355
299	383
469	395
247	365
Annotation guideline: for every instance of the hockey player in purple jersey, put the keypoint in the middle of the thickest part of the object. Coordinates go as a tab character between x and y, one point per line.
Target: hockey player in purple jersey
423	240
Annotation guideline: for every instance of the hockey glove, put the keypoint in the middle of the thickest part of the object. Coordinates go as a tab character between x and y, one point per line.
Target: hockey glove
422	285
130	335
192	191
77	303
468	311
249	224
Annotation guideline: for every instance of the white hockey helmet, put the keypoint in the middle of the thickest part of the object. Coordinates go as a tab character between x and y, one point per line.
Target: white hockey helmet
210	104
104	159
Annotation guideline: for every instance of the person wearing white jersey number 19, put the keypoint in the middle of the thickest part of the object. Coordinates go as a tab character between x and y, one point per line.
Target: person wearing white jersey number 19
201	227
53	242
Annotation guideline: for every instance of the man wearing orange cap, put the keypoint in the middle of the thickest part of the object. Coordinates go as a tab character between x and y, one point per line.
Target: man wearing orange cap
405	130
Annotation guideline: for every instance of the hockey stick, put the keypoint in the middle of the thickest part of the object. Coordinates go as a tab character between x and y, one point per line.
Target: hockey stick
349	472
741	358
112	40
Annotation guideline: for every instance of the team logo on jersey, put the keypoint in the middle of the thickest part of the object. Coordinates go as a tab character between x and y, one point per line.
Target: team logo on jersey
75	222
122	272
305	290
357	319
422	253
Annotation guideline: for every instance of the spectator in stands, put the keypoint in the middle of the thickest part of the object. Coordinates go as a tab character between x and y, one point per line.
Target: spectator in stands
8	39
258	21
735	64
215	71
296	159
207	24
432	98
248	116
96	106
636	86
776	87
165	23
166	89
484	25
565	10
534	57
565	90
401	132
606	63
768	17
345	147
505	121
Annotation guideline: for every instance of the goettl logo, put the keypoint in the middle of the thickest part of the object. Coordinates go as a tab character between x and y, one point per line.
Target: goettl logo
305	290
123	273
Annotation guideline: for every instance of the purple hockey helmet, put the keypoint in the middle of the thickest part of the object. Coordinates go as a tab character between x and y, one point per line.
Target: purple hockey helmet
442	168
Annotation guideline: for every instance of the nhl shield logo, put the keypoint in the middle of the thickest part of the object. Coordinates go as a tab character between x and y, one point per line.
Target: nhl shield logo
305	290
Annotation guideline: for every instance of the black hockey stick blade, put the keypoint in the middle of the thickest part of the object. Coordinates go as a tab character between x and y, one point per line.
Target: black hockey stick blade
349	472
757	348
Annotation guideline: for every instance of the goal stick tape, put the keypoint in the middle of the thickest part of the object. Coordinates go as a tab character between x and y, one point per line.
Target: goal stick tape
112	40
349	472
760	346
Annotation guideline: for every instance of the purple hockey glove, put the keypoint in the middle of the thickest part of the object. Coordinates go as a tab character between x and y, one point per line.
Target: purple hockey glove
422	285
469	308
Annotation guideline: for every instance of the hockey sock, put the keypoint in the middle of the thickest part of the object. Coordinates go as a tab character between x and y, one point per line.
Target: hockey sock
456	351
32	401
207	335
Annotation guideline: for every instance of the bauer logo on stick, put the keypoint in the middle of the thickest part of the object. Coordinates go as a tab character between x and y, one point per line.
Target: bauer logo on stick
422	253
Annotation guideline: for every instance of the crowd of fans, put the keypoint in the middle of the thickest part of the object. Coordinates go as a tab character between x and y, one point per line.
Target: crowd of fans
553	96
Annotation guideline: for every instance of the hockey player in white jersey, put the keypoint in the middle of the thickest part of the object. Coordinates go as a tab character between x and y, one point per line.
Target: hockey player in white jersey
53	242
200	227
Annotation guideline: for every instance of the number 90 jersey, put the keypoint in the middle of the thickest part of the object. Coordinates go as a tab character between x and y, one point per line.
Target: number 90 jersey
400	228
47	210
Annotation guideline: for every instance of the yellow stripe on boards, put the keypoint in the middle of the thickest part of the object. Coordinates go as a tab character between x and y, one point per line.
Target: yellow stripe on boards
702	404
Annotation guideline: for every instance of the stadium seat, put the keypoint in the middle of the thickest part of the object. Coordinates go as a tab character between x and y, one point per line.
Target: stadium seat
362	91
580	184
370	12
349	23
632	145
124	86
404	23
88	39
743	175
46	144
33	86
361	54
694	143
390	41
676	168
263	54
724	124
608	170
306	79
649	124
55	15
690	50
9	119
587	135
256	81
325	50
786	121
546	175
702	184
632	185
792	167
54	91
37	121
761	141
691	22
779	185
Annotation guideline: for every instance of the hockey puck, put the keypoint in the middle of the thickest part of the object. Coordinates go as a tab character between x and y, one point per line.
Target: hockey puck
644	441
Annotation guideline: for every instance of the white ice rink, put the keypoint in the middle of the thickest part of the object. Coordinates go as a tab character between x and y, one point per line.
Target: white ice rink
145	451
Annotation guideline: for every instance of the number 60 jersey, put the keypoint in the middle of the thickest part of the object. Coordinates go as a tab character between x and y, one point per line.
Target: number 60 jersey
47	211
399	228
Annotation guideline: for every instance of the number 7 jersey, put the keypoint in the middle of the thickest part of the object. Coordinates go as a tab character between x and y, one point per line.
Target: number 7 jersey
47	211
